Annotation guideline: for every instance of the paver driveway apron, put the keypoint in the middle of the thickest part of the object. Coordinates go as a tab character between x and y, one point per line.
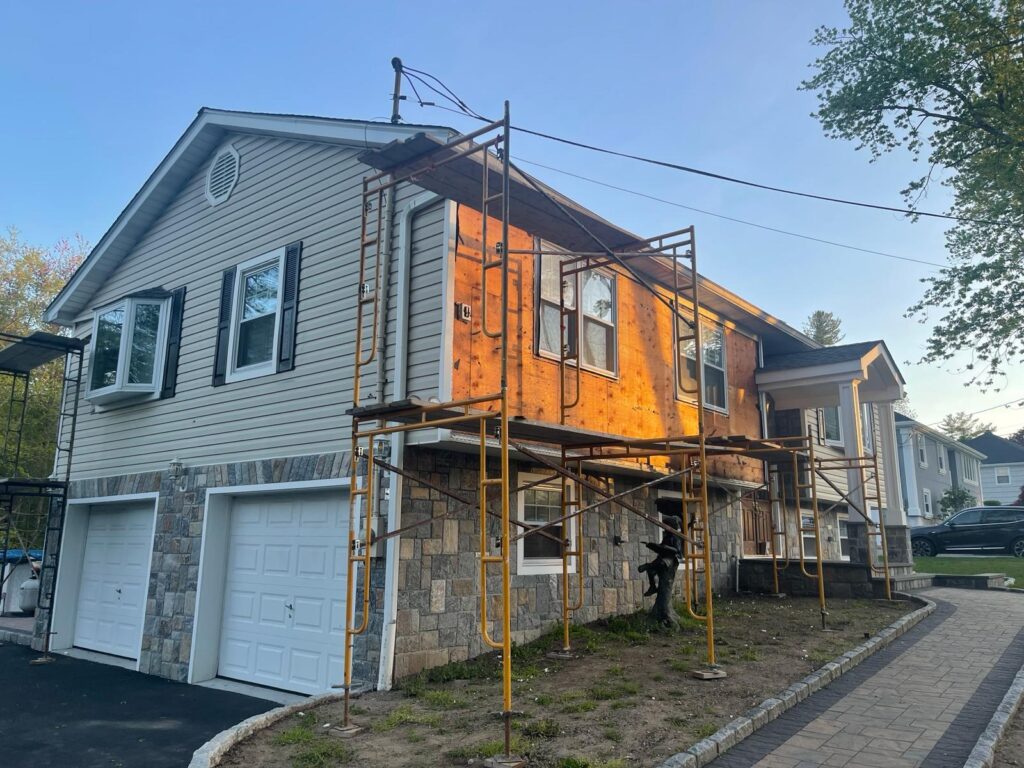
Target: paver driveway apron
923	701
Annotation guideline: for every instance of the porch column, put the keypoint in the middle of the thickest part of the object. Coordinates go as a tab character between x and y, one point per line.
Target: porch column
894	512
849	418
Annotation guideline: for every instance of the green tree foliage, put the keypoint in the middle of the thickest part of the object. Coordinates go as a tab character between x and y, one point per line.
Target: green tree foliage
962	426
824	328
944	80
1018	436
29	279
955	499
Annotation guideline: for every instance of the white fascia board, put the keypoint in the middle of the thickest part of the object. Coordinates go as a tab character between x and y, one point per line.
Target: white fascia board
811	375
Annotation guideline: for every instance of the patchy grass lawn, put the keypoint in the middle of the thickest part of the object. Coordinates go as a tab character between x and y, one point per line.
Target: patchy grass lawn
627	701
1010	753
1011	566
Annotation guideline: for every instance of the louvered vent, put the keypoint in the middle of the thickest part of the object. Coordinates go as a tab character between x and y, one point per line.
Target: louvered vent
222	176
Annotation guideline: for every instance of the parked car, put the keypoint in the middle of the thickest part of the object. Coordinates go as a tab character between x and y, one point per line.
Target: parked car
978	529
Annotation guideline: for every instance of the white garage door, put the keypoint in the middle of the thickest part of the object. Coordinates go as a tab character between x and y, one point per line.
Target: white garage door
115	576
284	596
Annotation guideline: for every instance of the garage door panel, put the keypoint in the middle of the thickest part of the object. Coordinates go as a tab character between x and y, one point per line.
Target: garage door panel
114	579
285	590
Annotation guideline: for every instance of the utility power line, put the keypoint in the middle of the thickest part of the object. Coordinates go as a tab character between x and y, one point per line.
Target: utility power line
464	109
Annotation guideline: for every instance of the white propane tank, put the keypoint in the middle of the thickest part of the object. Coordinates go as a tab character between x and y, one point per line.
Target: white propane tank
28	594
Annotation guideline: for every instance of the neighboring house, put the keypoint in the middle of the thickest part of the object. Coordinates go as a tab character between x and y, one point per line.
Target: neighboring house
206	536
932	463
1002	470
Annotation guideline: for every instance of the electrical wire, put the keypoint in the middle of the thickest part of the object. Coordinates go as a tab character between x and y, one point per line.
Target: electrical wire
766	227
464	109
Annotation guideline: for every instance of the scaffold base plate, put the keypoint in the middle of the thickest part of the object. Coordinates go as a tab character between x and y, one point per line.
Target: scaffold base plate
711	673
42	660
504	761
345	731
778	594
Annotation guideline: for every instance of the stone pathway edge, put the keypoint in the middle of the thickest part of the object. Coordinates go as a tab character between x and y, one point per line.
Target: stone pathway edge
984	752
706	750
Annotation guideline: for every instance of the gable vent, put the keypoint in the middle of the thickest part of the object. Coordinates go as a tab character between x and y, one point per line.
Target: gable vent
221	178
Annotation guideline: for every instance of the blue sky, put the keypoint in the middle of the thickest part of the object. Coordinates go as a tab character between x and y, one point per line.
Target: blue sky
95	94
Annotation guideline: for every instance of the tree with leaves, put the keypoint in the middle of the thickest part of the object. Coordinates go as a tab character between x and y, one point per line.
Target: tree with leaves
955	499
903	407
944	80
824	327
29	279
963	426
1018	436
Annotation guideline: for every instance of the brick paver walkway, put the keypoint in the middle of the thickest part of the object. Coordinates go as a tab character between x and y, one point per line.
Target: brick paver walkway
923	701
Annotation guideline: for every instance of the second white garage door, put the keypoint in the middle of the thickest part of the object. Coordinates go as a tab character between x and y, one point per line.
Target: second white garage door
284	595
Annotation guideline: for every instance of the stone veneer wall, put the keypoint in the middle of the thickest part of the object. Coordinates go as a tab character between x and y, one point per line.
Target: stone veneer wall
171	599
438	596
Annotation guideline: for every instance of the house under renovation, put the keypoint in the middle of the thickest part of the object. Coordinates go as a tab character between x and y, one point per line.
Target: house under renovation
363	398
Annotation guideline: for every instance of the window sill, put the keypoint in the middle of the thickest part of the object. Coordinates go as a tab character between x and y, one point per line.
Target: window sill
707	406
119	398
543	569
254	373
553	358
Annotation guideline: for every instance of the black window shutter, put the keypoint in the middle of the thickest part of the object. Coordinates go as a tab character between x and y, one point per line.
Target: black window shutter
173	343
220	360
289	307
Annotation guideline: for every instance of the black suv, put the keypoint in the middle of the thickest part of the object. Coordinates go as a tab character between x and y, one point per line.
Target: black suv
973	530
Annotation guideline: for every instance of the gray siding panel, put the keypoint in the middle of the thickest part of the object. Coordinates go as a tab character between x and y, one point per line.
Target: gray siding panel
287	190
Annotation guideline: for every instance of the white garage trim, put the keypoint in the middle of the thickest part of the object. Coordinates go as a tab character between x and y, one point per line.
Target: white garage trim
205	654
69	570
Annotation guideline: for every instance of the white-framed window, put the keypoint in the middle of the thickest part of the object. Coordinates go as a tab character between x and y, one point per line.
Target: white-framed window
844	538
591	327
1002	475
867	427
716	380
927	502
256	317
807	536
940	458
539	554
971	471
922	449
129	344
831	425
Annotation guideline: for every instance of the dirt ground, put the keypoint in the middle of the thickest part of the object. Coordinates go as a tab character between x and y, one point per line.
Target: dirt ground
1011	749
628	700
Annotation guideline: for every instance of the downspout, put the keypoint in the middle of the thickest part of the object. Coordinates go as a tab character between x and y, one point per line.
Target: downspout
385	671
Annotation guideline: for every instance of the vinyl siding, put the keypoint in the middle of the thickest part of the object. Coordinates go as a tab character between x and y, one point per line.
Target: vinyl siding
838	476
287	190
1006	493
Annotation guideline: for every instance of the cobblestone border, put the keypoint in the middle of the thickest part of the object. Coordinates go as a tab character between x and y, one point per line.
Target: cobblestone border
17	638
210	754
706	750
984	752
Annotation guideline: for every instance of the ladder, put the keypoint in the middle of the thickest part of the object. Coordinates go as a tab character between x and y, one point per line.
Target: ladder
17	404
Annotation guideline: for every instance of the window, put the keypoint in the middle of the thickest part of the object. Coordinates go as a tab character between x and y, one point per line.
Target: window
844	538
927	502
967	517
831	425
129	342
922	450
596	342
940	458
970	467
867	427
807	536
256	317
1003	516
541	553
1002	475
716	388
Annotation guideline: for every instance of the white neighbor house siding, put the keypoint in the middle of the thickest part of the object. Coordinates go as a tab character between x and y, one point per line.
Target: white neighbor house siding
1004	493
287	190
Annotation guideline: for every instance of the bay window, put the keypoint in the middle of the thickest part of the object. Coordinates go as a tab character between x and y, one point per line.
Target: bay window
129	342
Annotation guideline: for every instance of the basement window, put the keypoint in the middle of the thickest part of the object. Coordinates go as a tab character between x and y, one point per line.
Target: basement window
128	347
540	553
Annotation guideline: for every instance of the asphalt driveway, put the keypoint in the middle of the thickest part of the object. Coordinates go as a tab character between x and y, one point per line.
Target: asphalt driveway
81	714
